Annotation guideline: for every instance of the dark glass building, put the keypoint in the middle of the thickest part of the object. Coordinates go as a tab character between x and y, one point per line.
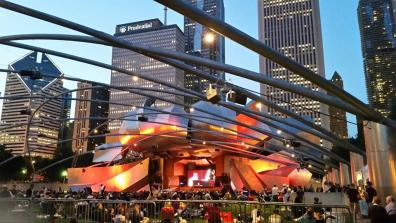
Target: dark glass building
338	124
377	22
201	41
64	130
89	115
44	130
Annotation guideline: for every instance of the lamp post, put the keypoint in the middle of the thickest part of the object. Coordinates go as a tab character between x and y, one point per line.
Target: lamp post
64	175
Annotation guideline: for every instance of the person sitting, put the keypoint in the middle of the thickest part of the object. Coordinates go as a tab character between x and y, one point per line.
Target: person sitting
119	217
377	213
167	213
308	217
137	214
5	193
275	217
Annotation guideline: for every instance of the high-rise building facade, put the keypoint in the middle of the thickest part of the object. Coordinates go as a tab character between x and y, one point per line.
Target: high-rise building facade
150	33
64	130
338	124
44	130
377	22
293	28
91	113
203	42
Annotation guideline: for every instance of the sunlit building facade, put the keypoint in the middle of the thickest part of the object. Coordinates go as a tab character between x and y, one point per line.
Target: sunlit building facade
44	129
293	28
201	41
377	22
154	34
90	117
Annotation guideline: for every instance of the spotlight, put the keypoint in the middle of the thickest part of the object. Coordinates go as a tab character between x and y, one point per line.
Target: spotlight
310	166
292	155
212	95
295	144
209	37
204	142
258	105
279	132
192	109
237	97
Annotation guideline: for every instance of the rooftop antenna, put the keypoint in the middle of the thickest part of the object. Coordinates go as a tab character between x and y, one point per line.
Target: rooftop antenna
165	15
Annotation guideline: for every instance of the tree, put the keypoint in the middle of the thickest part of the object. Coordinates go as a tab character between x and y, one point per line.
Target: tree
15	169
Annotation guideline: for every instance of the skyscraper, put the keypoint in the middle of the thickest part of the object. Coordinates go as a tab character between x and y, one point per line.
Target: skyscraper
149	33
90	114
201	41
64	130
43	133
338	124
292	28
377	22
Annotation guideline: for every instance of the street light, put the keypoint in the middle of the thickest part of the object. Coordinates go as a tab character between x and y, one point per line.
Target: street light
209	37
24	171
64	175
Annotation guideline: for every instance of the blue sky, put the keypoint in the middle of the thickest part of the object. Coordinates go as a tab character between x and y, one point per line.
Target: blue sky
339	27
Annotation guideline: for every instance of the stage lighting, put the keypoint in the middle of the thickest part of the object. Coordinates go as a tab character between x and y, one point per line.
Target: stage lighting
237	97
142	118
212	95
295	144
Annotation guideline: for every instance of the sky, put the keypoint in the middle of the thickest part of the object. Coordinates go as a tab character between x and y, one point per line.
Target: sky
340	31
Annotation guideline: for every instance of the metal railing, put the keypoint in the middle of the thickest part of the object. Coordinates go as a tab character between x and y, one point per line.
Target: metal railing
106	211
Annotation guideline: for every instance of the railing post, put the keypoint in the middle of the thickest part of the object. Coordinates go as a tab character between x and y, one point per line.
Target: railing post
380	142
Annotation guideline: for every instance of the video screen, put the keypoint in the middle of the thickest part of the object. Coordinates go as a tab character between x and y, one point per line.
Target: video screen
201	178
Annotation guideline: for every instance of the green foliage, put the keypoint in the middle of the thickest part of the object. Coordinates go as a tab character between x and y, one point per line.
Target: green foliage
11	170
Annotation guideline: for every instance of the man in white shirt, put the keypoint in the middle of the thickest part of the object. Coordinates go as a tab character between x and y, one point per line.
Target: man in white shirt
275	193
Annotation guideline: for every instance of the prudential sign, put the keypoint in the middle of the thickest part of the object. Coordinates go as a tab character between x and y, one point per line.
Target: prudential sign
134	27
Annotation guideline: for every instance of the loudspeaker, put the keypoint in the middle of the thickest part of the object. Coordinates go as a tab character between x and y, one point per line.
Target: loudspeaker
182	181
217	182
237	97
142	118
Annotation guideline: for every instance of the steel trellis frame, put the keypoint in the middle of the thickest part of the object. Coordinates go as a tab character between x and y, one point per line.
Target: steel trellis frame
332	138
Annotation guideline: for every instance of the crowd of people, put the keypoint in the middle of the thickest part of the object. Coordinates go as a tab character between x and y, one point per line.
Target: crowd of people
364	202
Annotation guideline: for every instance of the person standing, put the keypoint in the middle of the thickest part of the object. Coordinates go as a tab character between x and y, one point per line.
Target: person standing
353	195
370	192
275	193
390	208
377	213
